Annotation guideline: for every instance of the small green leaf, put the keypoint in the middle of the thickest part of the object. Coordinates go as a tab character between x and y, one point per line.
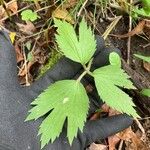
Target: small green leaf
65	99
108	79
145	92
28	45
145	58
30	56
79	49
114	59
29	15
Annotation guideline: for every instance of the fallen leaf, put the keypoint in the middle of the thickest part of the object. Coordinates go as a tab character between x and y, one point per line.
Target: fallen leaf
12	5
62	13
146	65
105	108
112	141
12	36
27	28
94	146
70	3
137	30
109	110
36	2
1	12
129	136
19	55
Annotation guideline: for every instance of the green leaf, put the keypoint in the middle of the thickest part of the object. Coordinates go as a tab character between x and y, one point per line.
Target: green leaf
108	79
30	57
79	49
114	59
145	92
29	15
141	12
145	58
66	99
146	5
28	45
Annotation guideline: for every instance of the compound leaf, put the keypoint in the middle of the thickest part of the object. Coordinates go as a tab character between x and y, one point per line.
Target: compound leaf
77	49
65	99
108	79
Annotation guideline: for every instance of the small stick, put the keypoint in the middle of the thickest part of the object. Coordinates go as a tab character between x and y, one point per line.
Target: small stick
81	9
110	27
26	68
129	38
5	18
142	129
120	145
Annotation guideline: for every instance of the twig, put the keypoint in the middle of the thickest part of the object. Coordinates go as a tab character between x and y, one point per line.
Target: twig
143	138
144	118
5	18
129	38
120	145
26	68
146	45
81	9
111	26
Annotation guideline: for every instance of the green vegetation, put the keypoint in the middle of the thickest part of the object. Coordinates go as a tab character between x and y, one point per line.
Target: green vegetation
145	10
29	15
67	98
145	92
144	58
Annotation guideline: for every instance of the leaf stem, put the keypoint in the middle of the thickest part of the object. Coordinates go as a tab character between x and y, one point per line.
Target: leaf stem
87	71
81	76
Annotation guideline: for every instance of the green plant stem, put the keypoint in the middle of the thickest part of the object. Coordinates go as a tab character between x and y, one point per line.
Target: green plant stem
86	71
81	76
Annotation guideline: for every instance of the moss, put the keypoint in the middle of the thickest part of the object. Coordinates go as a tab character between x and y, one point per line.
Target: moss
53	59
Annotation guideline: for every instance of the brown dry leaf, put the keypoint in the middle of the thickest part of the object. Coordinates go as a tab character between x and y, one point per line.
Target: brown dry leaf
19	55
2	11
113	140
70	3
137	30
109	110
62	13
13	6
94	146
36	2
129	136
146	65
27	28
105	108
